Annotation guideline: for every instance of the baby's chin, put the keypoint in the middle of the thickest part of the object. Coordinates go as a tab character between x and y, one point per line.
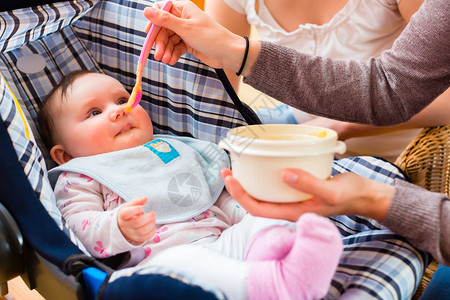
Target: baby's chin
134	144
134	140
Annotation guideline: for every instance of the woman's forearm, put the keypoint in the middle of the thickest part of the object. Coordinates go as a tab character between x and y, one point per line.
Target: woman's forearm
383	91
422	217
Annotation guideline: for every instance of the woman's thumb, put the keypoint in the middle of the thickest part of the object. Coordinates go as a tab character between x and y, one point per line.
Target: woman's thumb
307	183
301	180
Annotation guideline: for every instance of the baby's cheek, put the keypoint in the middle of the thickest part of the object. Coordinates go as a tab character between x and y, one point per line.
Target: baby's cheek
92	143
143	116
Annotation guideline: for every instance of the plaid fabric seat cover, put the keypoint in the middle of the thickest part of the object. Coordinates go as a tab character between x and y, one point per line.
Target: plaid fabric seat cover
185	99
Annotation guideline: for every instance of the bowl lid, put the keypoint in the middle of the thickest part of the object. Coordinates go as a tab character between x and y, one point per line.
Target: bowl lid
282	140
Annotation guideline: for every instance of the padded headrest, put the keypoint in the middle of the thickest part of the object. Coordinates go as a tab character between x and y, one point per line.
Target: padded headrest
10	5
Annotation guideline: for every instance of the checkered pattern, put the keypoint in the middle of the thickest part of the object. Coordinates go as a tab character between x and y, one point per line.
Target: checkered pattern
30	157
59	50
185	99
376	263
25	25
374	168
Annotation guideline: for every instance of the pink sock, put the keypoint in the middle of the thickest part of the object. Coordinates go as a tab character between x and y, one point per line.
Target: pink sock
271	243
304	266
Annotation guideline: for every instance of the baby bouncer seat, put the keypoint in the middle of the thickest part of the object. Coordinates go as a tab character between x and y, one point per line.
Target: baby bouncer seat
38	46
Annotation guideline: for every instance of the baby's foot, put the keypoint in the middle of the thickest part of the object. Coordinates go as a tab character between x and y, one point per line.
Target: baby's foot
306	270
271	243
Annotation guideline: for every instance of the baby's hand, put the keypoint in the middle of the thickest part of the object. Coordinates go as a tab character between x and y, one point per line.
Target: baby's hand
136	226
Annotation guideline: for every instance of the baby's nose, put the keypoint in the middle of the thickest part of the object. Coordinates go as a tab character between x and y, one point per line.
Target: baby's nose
118	112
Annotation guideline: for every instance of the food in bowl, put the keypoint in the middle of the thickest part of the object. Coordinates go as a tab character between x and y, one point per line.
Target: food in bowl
260	152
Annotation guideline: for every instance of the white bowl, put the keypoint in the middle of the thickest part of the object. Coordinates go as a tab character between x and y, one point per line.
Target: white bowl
260	152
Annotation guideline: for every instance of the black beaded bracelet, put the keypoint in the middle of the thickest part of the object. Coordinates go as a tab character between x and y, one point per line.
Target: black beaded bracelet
247	45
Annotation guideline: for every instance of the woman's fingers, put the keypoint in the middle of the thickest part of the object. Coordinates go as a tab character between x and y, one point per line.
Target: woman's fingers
163	18
225	172
171	43
259	208
308	183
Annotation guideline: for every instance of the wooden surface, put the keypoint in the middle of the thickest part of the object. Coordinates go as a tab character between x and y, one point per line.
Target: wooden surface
18	290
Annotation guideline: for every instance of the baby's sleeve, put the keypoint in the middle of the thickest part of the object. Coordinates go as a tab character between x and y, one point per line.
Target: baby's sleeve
80	200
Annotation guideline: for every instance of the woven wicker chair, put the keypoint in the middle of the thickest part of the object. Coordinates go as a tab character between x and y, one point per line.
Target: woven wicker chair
426	161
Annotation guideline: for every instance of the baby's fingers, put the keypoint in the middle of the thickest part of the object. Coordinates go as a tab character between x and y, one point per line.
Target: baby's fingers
147	231
145	227
132	208
144	220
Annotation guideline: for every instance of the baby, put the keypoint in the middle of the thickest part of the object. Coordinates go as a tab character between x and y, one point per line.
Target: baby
121	189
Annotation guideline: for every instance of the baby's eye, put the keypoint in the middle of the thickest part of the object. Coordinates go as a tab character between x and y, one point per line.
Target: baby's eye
94	112
122	101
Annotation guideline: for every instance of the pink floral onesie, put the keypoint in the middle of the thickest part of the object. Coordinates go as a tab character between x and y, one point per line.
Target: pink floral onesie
91	209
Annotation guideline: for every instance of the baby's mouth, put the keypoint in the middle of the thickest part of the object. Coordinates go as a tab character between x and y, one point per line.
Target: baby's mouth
124	129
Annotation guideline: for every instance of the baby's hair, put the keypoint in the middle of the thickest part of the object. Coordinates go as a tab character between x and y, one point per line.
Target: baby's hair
45	117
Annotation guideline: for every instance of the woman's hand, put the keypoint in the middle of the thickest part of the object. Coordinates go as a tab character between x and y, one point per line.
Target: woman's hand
186	28
343	194
343	129
136	226
347	130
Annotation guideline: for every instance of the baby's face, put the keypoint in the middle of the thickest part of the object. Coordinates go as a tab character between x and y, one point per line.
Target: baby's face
93	119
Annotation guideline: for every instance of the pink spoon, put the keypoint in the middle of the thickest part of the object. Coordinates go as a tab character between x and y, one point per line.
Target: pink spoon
136	94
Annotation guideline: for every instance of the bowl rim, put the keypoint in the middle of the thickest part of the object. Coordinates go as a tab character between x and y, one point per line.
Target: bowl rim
331	135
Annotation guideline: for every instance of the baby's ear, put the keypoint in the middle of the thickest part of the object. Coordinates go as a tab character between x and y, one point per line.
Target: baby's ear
59	154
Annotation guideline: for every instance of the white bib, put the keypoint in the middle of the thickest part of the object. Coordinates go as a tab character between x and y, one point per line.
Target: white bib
180	176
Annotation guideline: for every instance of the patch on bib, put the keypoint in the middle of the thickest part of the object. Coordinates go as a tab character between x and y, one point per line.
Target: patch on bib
165	151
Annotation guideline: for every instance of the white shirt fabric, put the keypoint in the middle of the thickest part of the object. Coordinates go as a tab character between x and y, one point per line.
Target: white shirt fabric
362	29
